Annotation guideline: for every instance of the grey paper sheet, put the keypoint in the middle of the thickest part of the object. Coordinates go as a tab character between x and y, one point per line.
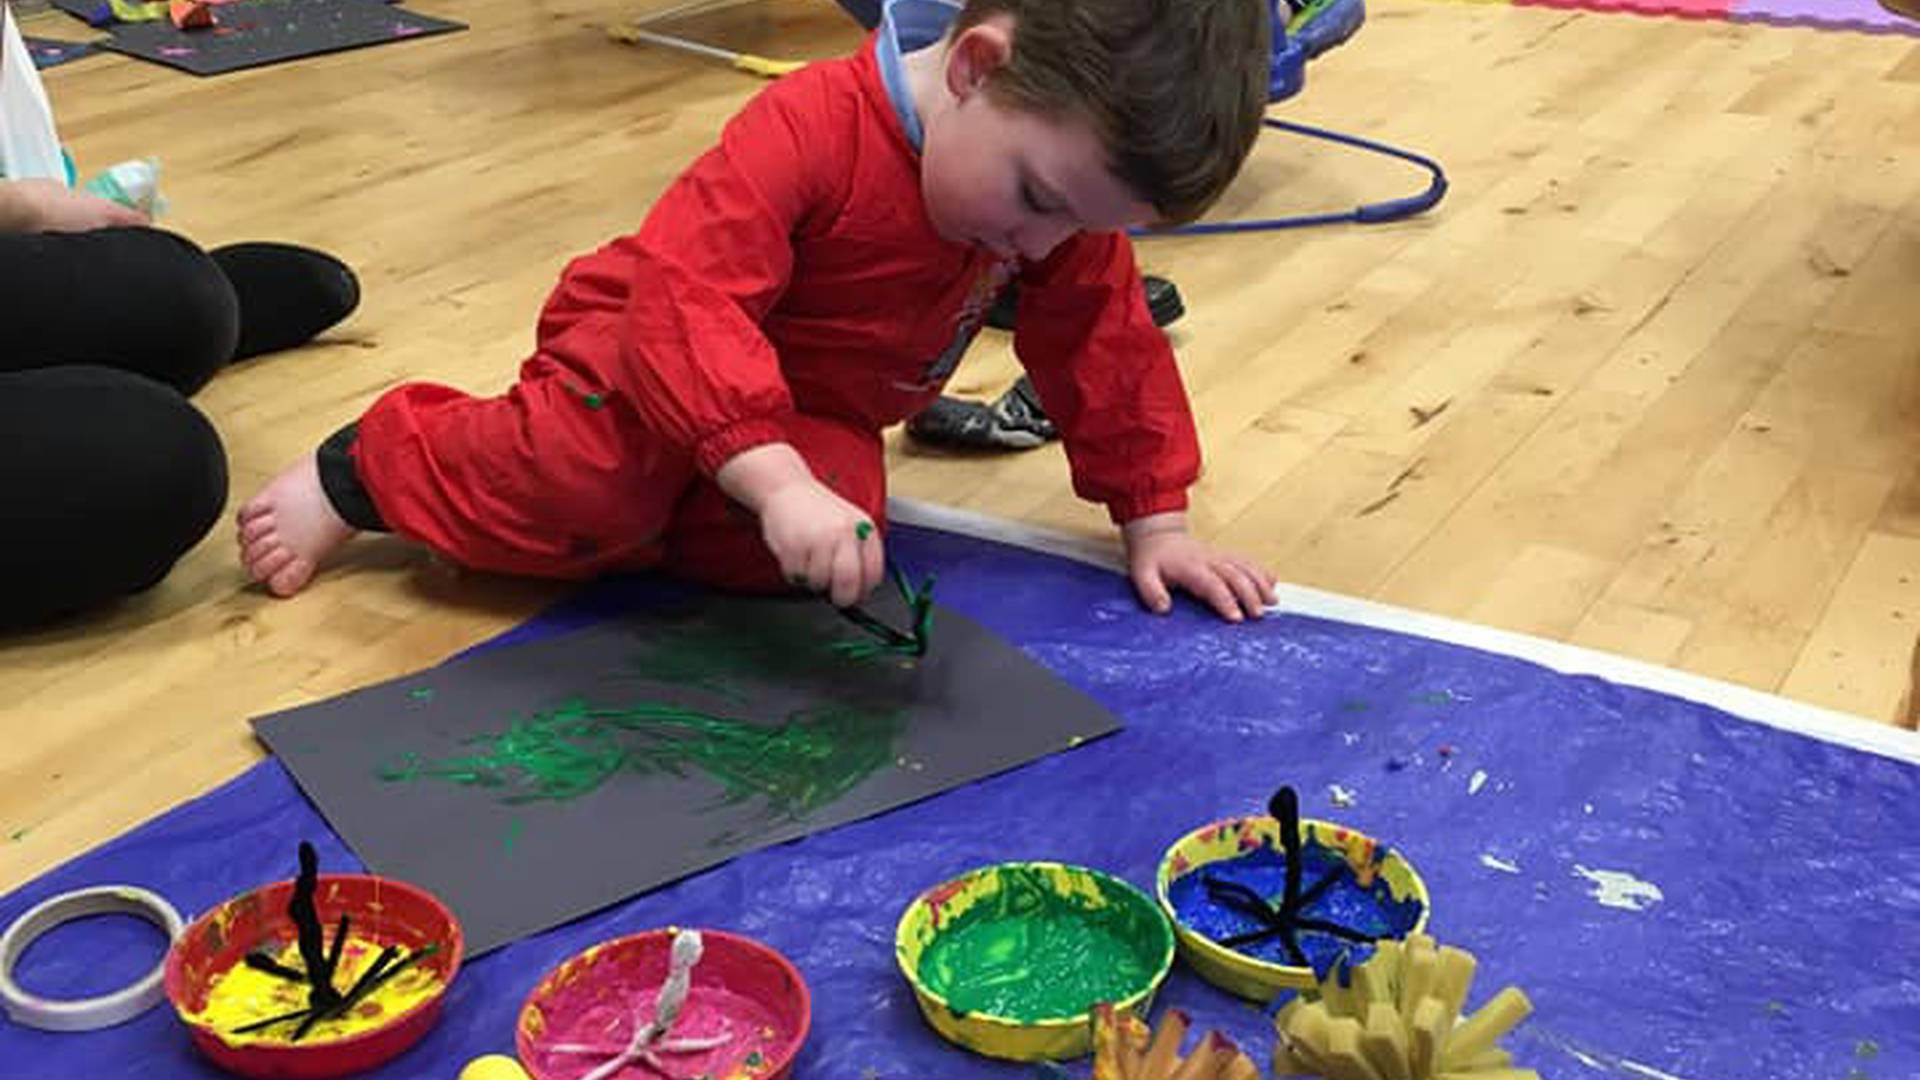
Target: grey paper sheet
254	33
511	866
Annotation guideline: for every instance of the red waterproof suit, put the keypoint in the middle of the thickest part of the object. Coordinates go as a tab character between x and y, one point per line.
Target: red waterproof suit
788	287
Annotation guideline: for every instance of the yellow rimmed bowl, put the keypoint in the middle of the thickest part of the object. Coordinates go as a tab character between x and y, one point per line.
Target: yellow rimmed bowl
1396	887
1009	960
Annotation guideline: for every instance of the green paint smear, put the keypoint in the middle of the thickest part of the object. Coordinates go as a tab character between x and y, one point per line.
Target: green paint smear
1027	953
1866	1049
718	658
797	767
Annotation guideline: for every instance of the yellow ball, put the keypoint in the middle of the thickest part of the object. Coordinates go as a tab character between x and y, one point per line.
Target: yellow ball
493	1067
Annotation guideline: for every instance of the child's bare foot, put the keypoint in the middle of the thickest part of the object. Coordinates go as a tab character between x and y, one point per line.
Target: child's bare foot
289	528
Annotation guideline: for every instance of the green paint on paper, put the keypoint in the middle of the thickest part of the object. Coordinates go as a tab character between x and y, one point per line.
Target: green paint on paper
514	829
1028	953
424	693
721	658
797	767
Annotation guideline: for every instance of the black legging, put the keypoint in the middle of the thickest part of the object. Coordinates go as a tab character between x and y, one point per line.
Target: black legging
109	475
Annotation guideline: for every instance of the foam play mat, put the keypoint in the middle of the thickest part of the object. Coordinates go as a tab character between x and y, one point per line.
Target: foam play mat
1859	15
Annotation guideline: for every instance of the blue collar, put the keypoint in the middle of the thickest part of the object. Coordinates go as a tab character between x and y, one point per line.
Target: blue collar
908	26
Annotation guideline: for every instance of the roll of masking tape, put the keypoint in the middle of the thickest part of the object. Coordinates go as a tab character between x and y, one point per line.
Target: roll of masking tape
86	1014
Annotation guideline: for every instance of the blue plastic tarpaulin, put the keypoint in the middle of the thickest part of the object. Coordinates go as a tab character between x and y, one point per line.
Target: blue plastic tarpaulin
1683	893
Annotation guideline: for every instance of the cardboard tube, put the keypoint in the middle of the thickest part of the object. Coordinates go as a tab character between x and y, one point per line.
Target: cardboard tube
1112	1054
1164	1051
1484	1028
1339	999
1345	1060
1203	1063
1371	983
1420	972
1429	1035
1306	1030
1457	968
1385	1043
1495	1058
1240	1067
1388	956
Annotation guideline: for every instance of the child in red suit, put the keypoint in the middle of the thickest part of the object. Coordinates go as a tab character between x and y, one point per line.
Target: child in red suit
707	395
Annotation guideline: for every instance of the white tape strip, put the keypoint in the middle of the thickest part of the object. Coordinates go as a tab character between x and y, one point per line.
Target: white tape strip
90	1013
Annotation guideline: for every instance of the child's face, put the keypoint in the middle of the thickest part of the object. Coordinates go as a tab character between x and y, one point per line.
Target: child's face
1009	180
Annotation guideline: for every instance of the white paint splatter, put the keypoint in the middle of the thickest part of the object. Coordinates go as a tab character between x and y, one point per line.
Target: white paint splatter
1589	808
1618	889
1350	737
1477	781
1502	865
1645	1070
1342	797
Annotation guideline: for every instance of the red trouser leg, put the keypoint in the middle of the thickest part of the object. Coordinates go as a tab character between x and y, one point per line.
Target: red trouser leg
554	479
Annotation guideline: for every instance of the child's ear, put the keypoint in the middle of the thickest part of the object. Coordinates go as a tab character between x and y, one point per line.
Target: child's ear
976	54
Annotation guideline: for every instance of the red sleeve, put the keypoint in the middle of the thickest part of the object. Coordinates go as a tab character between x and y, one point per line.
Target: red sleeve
1107	377
712	258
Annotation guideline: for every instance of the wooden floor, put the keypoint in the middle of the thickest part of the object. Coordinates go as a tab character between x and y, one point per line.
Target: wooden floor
1645	383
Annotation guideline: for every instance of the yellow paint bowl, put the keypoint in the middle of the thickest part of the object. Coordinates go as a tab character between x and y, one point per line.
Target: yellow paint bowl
1396	887
382	910
1009	960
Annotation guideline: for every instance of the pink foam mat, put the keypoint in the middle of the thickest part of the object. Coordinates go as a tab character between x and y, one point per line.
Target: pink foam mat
1863	15
1685	9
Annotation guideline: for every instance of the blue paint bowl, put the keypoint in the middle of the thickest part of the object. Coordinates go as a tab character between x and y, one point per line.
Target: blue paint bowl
1382	896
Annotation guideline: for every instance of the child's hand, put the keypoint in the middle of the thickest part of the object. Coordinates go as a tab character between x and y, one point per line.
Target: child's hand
1161	553
46	206
823	542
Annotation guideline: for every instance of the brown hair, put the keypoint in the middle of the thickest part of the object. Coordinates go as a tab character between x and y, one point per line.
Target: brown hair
1175	89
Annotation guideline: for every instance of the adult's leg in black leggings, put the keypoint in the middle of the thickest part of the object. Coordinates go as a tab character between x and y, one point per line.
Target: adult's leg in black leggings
139	300
106	479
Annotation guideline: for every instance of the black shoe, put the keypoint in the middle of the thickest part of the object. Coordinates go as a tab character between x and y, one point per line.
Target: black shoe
1014	421
1163	302
287	294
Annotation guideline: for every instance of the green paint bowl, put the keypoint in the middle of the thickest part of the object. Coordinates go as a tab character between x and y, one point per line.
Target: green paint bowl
1009	960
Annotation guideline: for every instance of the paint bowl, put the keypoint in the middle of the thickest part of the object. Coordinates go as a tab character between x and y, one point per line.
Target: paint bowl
380	909
1009	960
740	988
1248	850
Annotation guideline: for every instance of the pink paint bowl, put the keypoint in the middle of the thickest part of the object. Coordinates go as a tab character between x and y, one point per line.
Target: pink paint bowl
388	911
583	1012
